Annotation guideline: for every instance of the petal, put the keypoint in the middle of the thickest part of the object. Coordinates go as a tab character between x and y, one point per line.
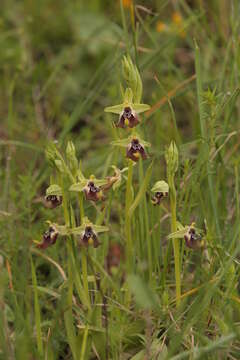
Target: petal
144	143
139	108
179	234
143	153
123	142
77	230
121	122
100	182
116	109
133	121
99	228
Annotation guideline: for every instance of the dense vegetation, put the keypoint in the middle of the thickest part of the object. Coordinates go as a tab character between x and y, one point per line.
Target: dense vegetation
119	265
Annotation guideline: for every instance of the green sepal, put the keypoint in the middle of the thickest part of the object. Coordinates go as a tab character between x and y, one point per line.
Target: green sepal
116	109
160	186
54	189
79	186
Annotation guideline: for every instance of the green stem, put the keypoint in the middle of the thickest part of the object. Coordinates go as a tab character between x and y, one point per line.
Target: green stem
176	245
128	200
83	253
124	23
146	218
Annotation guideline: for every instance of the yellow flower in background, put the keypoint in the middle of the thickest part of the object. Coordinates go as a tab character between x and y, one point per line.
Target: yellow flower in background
127	3
178	21
161	26
177	18
175	26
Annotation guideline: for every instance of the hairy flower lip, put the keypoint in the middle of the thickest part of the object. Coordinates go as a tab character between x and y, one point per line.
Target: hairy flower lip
93	192
49	238
156	199
135	149
128	118
192	238
53	201
89	237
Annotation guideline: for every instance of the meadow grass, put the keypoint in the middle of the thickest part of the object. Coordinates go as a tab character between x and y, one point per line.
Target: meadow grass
144	293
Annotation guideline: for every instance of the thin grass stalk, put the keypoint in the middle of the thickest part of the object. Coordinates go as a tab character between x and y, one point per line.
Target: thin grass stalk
37	310
176	244
124	23
83	254
146	221
84	343
129	245
68	316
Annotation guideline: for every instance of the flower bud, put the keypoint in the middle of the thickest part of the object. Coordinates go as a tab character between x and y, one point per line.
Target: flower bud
71	156
171	156
50	153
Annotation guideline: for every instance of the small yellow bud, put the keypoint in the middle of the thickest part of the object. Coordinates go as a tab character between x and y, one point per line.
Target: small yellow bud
137	155
126	122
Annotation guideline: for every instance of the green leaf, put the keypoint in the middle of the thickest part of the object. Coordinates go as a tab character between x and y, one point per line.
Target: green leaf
54	189
142	190
116	109
144	296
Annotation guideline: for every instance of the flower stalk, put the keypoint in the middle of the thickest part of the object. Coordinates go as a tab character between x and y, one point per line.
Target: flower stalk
172	166
128	200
